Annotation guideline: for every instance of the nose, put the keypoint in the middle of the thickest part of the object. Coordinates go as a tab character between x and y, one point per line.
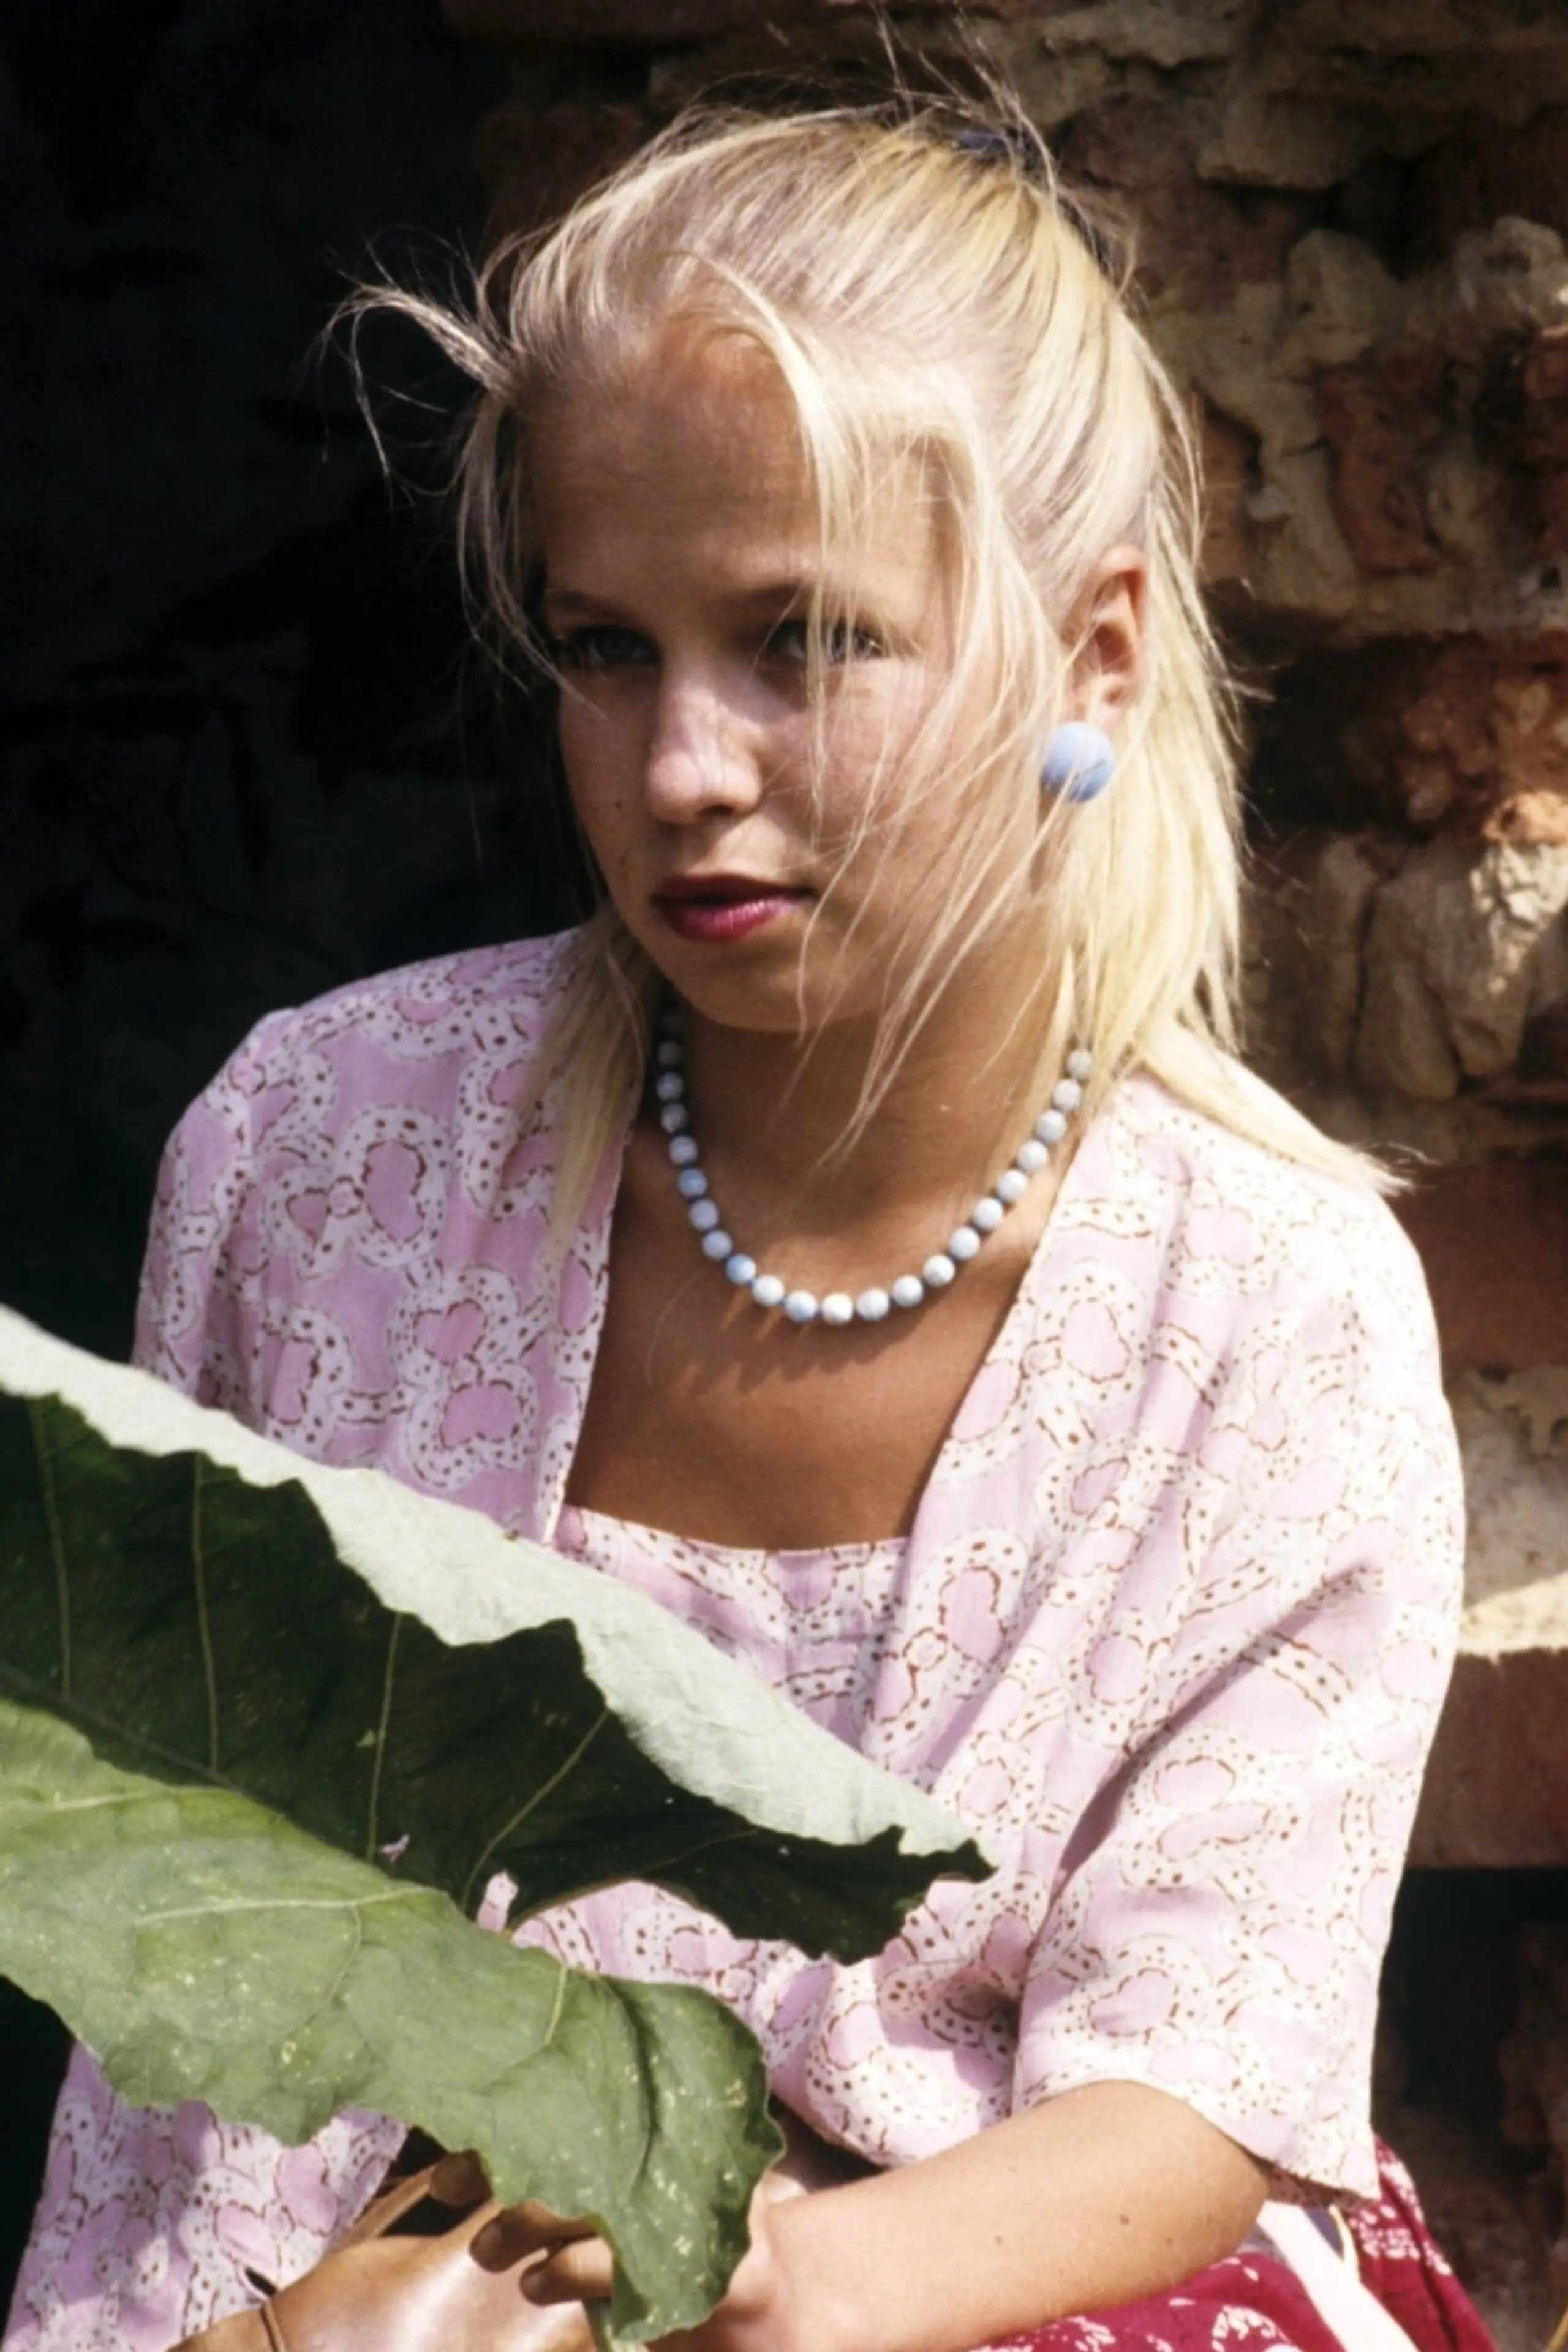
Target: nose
701	757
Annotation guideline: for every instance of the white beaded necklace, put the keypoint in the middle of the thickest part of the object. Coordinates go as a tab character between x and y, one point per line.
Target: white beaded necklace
769	1290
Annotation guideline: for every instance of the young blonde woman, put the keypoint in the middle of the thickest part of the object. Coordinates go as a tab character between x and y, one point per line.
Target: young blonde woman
860	1237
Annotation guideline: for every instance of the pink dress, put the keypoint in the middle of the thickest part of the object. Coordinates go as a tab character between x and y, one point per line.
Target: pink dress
1170	1627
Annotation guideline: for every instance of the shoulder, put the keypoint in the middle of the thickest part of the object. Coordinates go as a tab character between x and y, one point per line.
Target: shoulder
443	1047
446	1009
413	1080
1285	1372
1230	1215
349	1155
1293	1301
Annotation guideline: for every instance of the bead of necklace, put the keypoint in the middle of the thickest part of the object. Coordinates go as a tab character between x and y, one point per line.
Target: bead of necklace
770	1291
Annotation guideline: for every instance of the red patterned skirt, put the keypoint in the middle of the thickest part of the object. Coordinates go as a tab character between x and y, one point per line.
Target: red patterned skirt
1255	2303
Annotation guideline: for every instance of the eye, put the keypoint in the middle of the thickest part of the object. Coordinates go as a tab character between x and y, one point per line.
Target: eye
790	641
599	647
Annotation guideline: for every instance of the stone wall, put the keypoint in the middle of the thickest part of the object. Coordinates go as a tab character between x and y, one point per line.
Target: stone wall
1351	225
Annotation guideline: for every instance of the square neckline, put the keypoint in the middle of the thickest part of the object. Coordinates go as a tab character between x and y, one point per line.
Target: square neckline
889	1550
1091	1141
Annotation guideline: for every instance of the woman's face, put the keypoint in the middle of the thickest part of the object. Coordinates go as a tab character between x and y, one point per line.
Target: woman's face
681	555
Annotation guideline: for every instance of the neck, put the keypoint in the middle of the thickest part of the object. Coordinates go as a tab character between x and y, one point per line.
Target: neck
771	1111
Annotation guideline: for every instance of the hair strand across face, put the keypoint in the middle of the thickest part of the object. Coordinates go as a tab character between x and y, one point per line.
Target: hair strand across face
931	300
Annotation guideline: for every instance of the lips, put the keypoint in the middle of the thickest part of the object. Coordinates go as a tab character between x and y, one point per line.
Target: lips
711	908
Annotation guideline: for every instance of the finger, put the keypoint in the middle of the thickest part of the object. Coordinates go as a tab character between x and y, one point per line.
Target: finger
583	2271
518	2231
461	2179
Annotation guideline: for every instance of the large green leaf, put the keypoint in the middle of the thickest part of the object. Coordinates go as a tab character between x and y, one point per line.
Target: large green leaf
200	1634
205	1948
391	1670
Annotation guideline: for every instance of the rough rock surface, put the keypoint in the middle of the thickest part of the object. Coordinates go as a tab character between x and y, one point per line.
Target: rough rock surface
1411	991
1494	1236
1464	735
1498	1792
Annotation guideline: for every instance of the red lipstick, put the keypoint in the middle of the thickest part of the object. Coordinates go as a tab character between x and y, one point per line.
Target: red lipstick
713	908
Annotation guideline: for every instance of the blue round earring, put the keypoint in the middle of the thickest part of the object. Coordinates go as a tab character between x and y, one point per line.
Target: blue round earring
1079	761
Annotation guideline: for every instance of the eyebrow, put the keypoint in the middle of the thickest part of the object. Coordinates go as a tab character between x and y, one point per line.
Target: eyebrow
773	596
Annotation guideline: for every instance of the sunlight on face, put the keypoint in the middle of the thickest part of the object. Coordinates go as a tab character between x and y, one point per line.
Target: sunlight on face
767	854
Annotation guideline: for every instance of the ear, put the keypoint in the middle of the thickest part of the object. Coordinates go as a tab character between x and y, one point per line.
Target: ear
1106	632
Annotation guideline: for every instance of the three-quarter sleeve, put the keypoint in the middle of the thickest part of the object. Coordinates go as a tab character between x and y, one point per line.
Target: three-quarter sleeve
1222	1910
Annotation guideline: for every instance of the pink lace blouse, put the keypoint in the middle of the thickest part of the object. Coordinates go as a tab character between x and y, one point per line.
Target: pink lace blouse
1170	1627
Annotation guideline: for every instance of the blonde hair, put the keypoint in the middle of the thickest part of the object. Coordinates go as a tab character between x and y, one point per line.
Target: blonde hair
936	300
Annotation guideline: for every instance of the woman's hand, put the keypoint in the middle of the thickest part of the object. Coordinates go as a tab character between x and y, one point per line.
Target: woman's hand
1104	2193
566	2261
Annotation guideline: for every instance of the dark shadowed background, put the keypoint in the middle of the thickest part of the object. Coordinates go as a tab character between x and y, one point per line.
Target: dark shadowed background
241	759
242	754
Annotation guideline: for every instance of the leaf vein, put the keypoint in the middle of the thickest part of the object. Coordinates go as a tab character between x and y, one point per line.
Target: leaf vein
204	1618
220	1907
53	1805
557	2005
30	1692
335	1987
372	1829
649	2077
546	1789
